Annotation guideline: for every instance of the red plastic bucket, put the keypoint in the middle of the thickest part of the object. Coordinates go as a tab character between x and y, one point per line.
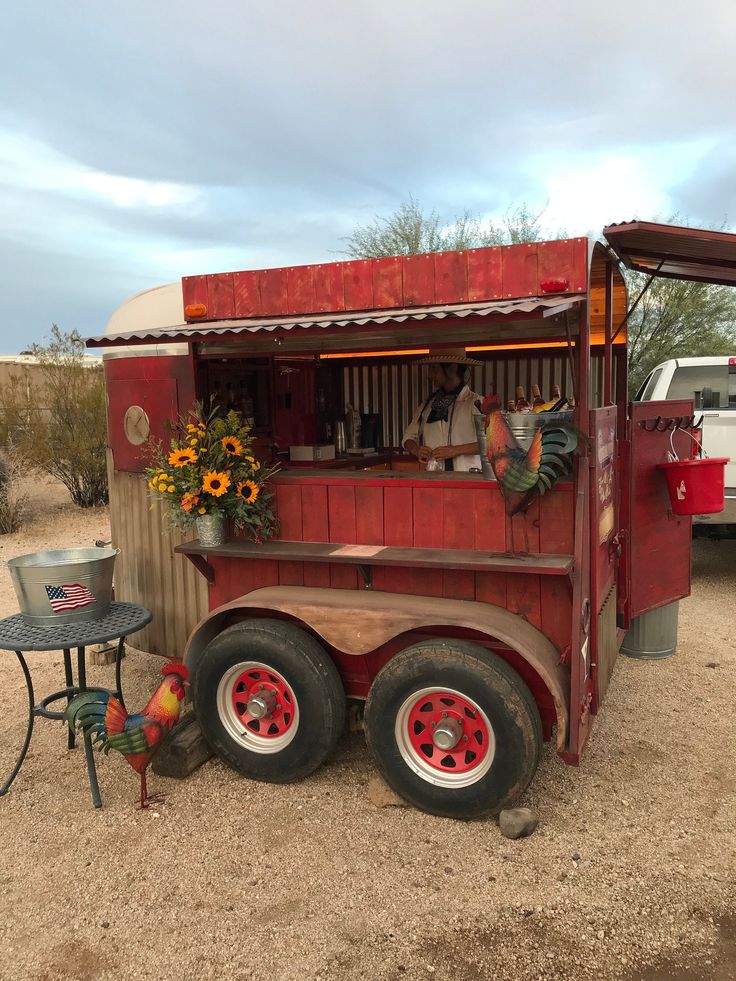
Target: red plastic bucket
696	486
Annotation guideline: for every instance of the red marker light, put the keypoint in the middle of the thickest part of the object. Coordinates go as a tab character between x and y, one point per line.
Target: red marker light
554	285
732	361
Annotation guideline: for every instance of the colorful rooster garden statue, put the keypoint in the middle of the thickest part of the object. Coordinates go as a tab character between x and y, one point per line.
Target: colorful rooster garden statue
137	737
524	475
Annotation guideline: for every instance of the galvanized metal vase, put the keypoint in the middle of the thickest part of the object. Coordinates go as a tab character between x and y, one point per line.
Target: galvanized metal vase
211	530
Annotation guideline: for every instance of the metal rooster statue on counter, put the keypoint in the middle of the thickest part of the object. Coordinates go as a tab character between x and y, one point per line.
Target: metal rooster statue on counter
524	475
136	737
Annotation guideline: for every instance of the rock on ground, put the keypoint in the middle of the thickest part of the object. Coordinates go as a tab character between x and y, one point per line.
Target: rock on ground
518	822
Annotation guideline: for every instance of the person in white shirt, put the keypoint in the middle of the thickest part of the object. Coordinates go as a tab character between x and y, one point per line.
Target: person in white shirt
443	428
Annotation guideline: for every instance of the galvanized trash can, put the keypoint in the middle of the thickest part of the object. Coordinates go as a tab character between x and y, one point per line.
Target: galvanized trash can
64	585
653	635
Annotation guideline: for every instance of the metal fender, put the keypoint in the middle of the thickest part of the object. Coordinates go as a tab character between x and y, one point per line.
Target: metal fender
360	622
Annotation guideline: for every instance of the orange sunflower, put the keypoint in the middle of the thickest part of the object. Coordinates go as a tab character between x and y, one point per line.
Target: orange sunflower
231	445
182	458
248	491
216	483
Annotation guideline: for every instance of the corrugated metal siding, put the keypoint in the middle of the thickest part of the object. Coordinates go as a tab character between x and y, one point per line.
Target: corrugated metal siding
148	571
395	390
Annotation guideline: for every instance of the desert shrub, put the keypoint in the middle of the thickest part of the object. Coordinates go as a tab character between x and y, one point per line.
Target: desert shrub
12	501
59	426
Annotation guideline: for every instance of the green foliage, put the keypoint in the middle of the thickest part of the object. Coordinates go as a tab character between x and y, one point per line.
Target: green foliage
60	425
209	468
411	230
677	319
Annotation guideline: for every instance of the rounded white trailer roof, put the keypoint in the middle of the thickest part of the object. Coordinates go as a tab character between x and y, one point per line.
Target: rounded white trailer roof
159	308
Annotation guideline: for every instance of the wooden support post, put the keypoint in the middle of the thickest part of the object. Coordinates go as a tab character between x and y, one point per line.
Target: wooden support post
183	751
608	334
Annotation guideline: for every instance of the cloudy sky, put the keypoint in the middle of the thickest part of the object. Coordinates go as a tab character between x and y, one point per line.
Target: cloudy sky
143	141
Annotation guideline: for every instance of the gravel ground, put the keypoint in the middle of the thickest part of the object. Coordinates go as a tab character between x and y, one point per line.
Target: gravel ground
630	874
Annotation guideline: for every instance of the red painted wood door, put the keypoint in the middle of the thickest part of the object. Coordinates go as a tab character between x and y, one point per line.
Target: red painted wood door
659	542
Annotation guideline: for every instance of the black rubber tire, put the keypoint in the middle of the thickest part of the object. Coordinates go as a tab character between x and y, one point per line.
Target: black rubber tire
497	689
310	673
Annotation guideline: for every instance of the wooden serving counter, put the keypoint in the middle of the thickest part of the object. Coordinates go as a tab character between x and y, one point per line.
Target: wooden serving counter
379	460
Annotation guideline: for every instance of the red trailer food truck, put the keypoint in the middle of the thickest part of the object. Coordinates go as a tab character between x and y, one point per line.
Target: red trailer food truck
389	583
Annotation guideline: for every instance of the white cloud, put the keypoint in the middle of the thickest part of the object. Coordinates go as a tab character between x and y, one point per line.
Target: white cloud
26	163
585	191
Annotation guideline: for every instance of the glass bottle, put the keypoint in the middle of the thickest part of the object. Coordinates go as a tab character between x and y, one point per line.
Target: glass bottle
522	405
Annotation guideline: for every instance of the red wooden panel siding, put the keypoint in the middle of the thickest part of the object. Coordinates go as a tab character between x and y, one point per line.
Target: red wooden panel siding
556	522
289	510
397	516
556	601
579	282
450	277
341	511
418	280
387	288
273	292
291	573
329	288
523	597
490	587
234	578
343	577
194	290
300	289
519	270
490	520
458	585
484	274
412	582
316	574
314	513
428	517
369	515
557	261
247	294
458	520
358	284
221	305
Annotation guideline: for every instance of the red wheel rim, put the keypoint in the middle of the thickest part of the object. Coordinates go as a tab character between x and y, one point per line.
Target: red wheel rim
264	683
459	716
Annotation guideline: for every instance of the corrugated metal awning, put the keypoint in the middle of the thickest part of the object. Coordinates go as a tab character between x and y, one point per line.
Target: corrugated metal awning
533	308
675	252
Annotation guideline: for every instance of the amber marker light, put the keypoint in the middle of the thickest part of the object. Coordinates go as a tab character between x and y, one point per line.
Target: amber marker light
195	311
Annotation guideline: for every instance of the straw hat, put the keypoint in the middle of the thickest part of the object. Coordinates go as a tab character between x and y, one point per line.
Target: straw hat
449	356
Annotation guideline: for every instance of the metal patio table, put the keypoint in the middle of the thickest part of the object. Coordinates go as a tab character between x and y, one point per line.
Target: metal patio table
121	620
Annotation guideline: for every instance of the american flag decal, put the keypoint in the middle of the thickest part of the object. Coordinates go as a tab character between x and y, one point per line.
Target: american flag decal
69	597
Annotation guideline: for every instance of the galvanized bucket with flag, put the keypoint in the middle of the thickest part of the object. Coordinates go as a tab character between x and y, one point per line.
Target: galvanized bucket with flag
63	585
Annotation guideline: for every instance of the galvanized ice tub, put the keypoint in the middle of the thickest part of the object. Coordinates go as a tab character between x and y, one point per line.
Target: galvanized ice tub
64	585
525	424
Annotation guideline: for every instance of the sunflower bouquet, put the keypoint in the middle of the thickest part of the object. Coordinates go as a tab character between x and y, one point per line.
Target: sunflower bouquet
209	469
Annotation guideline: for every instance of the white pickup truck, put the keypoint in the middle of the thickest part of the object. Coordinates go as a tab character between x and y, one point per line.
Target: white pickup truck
711	383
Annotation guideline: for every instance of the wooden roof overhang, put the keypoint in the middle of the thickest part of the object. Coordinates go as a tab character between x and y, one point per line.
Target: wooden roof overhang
675	252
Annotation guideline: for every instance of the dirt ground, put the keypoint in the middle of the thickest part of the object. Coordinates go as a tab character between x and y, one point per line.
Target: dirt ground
630	874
